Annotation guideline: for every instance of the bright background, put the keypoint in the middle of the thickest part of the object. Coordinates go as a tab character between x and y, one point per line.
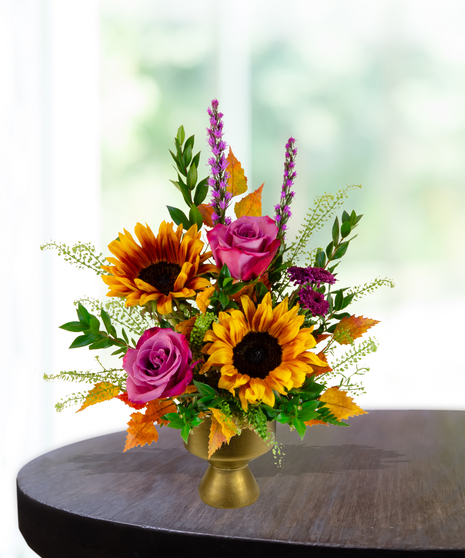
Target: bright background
91	97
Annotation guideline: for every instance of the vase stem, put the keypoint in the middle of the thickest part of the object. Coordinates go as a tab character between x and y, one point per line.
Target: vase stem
228	488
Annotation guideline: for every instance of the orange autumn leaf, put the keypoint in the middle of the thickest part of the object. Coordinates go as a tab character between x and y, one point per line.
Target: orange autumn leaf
103	391
340	404
237	181
141	429
222	429
124	398
351	328
321	337
315	421
186	327
206	211
140	432
251	205
317	370
159	407
190	389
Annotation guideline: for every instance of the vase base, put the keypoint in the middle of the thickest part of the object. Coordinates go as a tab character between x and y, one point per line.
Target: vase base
229	488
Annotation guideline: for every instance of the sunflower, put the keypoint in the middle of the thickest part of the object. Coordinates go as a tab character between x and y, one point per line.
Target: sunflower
260	350
161	268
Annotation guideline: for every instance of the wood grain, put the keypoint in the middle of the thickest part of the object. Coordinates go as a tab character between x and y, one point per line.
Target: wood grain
391	484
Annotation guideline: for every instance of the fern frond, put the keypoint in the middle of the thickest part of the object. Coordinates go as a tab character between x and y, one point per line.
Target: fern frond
82	255
323	208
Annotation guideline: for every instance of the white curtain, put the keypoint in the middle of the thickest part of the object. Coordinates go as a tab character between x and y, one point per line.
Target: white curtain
49	179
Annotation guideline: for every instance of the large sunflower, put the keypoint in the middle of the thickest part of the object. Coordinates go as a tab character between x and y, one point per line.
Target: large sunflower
260	350
163	267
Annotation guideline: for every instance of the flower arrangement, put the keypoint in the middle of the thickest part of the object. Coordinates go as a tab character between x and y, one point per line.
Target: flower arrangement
218	318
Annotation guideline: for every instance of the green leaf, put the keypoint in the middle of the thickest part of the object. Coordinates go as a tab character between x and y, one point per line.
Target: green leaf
102	343
175	160
189	143
338	301
224	299
196	160
340	316
185	433
181	135
195	217
125	335
233	289
192	177
179	217
74	326
345	216
187	155
204	389
320	259
94	324
107	323
224	272
201	192
261	290
227	281
308	414
329	249
83	340
342	249
299	426
345	229
347	301
335	232
83	314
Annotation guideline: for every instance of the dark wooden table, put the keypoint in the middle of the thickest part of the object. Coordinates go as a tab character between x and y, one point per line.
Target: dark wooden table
393	484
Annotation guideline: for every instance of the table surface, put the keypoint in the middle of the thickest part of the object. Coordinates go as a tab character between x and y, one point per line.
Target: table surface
392	483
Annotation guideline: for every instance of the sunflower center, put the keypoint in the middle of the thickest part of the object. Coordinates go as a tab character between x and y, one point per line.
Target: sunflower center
257	354
161	275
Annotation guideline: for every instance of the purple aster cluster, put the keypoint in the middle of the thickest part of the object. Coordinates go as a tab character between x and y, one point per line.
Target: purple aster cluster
313	301
306	275
283	213
218	163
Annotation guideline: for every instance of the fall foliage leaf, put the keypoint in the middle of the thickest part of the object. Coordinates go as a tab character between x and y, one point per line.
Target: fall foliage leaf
315	421
251	205
103	391
140	432
351	328
190	389
206	211
222	430
237	182
321	337
124	398
141	429
340	404
317	370
186	327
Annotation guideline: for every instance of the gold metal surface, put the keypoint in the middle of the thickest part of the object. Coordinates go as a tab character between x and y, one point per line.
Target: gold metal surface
228	482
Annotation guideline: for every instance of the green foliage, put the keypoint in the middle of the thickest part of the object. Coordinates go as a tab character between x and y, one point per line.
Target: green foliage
92	335
115	376
370	287
354	355
226	288
186	167
324	206
82	255
185	420
201	326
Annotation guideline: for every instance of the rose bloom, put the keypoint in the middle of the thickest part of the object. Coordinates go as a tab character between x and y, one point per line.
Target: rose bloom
160	366
247	246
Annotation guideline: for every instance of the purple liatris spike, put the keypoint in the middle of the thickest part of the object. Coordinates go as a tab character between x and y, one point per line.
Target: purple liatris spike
283	213
218	163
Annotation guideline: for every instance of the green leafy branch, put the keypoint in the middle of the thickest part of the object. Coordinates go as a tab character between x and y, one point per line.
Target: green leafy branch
324	206
134	318
82	255
354	355
194	194
93	336
360	291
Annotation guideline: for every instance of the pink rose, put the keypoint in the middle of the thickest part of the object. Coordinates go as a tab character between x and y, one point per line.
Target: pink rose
160	366
246	246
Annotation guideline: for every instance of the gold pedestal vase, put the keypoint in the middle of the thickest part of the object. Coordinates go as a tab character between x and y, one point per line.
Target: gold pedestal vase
228	482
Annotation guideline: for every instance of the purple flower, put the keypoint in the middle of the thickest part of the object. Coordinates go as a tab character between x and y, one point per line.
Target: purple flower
313	301
160	366
283	212
218	163
305	275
